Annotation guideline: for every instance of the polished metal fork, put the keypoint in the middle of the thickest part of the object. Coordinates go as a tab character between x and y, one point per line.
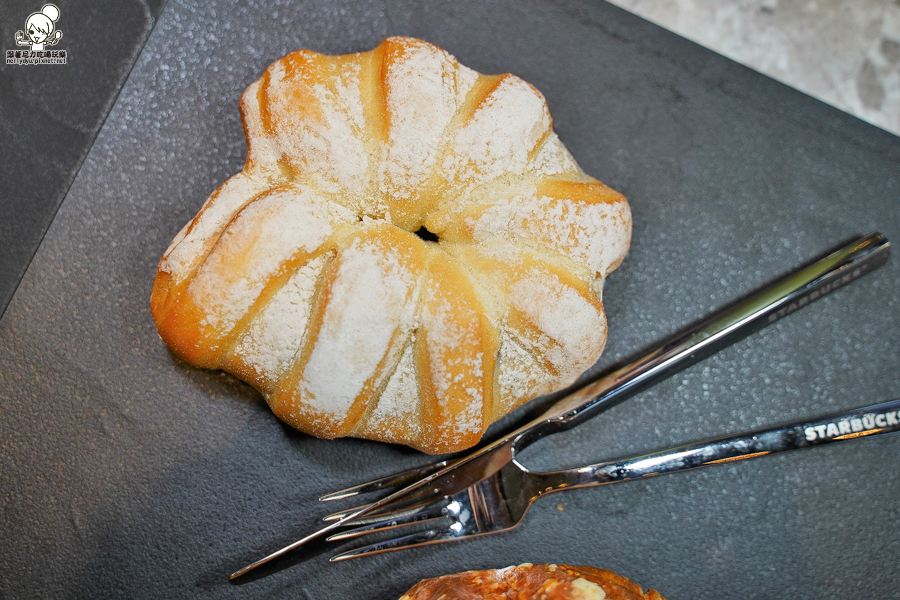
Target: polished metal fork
500	502
594	395
763	308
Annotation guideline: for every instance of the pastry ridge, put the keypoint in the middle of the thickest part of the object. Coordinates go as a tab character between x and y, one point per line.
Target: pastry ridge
304	274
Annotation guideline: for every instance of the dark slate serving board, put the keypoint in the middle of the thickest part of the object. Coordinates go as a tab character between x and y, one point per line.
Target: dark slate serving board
124	473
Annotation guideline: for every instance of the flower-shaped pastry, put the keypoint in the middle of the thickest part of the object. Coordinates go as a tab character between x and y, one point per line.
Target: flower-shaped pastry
409	253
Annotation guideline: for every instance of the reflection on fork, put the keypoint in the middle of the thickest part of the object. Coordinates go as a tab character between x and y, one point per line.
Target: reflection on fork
500	502
589	398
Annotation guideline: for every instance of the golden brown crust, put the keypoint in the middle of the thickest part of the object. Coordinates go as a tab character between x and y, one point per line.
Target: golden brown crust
303	276
530	582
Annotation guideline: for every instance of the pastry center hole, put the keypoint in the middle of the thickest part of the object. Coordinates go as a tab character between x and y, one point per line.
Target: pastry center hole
426	235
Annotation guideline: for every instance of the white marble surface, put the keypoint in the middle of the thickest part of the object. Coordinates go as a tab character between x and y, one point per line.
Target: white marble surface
843	52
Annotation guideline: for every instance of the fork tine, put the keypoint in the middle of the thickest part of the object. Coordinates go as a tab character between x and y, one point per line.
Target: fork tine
341	514
421	538
434	512
395	480
400	507
402	511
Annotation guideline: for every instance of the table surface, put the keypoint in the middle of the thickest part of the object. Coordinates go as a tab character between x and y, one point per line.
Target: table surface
843	52
124	473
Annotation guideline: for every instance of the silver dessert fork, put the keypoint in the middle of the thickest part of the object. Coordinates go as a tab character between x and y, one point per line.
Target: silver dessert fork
586	399
500	502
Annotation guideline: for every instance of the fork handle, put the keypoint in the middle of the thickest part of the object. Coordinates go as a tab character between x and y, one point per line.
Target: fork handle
860	422
722	329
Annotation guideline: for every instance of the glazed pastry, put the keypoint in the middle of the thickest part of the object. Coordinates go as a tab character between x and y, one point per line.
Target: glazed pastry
409	253
529	582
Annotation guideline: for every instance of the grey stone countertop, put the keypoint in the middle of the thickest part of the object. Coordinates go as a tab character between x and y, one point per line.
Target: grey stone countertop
843	52
124	473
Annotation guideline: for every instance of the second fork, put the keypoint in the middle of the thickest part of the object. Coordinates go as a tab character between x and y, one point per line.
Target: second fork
500	502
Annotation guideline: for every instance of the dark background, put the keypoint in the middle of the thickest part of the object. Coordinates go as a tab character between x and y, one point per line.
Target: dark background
124	473
50	115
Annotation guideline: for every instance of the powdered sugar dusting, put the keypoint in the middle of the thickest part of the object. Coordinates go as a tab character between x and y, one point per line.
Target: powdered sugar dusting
595	235
399	401
573	330
325	141
499	136
455	360
422	95
368	302
520	376
469	420
262	152
252	249
554	159
190	247
465	79
276	334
